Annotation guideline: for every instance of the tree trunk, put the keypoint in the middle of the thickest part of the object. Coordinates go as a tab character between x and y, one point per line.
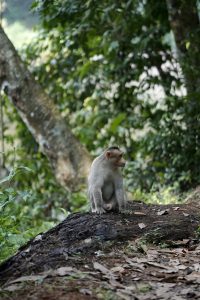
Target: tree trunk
69	159
184	20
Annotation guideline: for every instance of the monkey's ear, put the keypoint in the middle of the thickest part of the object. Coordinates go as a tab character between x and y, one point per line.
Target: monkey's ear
108	154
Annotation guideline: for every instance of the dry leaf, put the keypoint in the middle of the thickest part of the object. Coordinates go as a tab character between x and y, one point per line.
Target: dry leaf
118	269
62	271
185	214
141	225
163	212
193	277
136	266
136	278
154	264
152	254
139	213
29	278
101	268
176	208
180	243
13	287
85	292
38	238
196	267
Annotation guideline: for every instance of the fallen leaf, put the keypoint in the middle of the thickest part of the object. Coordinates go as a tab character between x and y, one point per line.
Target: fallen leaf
29	278
167	251
163	212
154	264
13	287
187	291
99	253
160	221
182	267
139	213
38	238
114	283
85	292
169	270
136	266
185	214
142	225
118	269
196	267
101	268
123	294
181	251
141	260
136	278
152	254
180	243
62	271
176	208
174	262
193	277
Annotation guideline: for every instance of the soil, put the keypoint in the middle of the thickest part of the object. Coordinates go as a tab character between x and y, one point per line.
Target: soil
148	252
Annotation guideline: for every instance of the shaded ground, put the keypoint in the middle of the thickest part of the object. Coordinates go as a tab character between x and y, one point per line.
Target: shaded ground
111	257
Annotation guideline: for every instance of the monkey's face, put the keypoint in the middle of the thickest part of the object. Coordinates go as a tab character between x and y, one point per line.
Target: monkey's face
115	158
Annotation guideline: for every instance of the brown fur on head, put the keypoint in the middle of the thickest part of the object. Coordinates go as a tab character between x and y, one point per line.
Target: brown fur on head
115	156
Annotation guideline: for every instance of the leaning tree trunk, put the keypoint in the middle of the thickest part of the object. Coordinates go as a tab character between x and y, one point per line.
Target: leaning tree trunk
184	20
69	159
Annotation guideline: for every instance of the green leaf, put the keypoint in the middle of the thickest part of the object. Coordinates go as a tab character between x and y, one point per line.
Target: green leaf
114	45
187	45
24	168
66	213
9	177
116	122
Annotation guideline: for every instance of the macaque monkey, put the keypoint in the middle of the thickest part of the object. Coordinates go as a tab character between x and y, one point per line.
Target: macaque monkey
105	182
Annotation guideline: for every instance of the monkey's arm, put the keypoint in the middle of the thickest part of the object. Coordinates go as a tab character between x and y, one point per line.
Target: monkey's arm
98	200
95	184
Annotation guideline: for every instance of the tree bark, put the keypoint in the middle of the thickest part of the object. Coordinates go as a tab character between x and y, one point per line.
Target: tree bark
184	20
69	159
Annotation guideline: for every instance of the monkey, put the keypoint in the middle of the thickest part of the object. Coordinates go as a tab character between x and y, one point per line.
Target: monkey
105	182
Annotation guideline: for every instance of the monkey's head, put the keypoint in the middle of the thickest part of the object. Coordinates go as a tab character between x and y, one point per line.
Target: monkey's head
115	157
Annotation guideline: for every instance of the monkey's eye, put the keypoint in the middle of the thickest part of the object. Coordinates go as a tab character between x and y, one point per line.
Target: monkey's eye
120	156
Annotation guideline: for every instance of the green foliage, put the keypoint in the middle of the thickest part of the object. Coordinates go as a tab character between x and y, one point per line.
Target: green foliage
31	201
111	69
166	195
18	221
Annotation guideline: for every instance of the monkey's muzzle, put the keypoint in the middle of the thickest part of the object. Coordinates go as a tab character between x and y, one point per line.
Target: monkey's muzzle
121	163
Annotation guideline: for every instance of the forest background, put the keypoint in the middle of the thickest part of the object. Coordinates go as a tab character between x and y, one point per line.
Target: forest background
120	73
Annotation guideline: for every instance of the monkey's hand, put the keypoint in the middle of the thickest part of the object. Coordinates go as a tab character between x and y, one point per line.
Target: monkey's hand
99	210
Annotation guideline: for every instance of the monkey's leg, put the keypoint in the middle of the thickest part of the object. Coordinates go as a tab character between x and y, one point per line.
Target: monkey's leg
98	200
120	199
92	203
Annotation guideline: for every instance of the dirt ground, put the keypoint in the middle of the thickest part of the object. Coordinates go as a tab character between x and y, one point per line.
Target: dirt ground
152	252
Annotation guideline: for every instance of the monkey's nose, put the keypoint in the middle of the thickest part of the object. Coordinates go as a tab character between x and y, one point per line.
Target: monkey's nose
122	164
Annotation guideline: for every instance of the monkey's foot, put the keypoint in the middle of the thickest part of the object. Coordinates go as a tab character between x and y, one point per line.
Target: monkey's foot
99	211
